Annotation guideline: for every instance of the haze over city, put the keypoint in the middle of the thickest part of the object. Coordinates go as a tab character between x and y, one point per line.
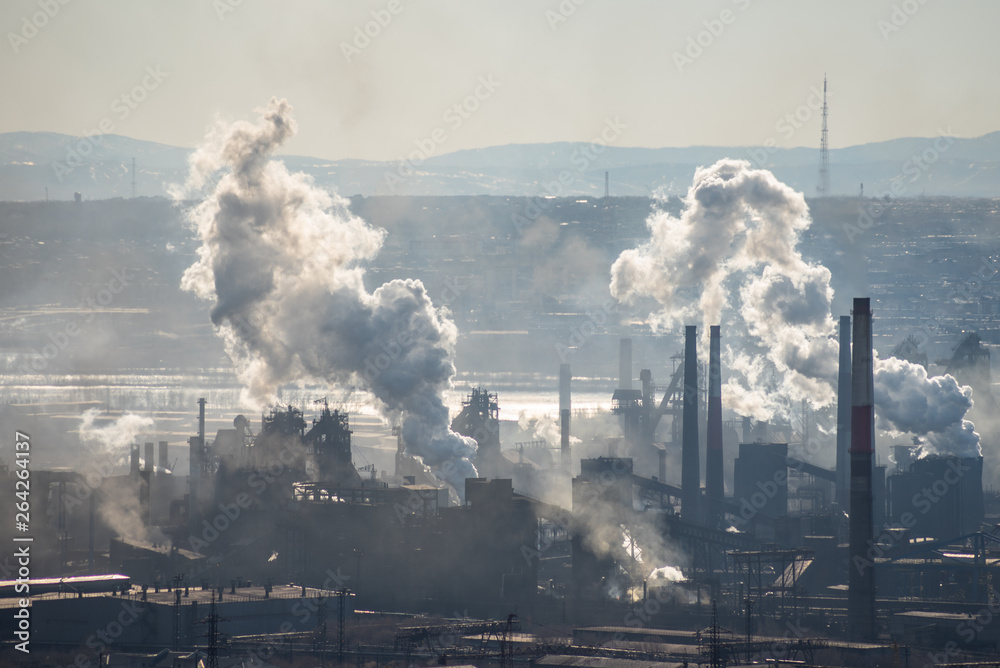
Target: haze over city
563	333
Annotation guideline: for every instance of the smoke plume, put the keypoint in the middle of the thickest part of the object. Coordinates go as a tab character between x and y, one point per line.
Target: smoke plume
280	261
732	257
109	446
932	407
112	441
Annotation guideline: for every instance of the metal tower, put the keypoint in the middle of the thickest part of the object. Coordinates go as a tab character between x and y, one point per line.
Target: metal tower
823	188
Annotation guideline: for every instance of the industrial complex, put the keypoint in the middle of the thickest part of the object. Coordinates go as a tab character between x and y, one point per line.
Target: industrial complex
273	543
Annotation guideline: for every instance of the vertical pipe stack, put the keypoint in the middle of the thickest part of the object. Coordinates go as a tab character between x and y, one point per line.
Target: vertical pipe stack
713	463
564	408
844	414
861	593
690	466
625	365
201	421
149	457
196	457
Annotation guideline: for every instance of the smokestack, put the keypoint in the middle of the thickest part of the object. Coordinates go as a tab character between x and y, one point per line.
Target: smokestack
564	407
713	471
625	365
201	421
134	460
164	461
861	592
690	466
844	414
149	457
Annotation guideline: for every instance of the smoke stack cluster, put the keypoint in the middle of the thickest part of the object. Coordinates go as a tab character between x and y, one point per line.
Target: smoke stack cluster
690	465
565	376
861	593
713	463
844	414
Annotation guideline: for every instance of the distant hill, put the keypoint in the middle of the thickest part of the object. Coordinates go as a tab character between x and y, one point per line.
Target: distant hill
30	162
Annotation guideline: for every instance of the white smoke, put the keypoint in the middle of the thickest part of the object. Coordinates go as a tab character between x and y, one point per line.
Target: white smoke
112	441
279	259
543	428
732	257
908	401
112	444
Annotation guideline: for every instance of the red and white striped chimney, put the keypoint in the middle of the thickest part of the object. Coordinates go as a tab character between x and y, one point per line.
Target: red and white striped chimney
861	580
713	462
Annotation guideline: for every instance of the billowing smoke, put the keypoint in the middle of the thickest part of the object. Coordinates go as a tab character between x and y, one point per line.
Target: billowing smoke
934	408
107	447
113	441
732	257
279	259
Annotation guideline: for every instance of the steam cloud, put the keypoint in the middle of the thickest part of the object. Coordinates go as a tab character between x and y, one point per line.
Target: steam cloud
113	441
733	254
933	407
733	250
279	259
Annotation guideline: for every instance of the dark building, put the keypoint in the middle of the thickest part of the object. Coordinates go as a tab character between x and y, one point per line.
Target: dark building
938	497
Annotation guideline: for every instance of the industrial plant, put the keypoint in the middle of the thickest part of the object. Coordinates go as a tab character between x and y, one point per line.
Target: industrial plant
767	489
273	541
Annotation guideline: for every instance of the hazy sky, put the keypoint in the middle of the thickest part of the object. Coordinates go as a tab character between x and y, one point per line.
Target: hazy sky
902	68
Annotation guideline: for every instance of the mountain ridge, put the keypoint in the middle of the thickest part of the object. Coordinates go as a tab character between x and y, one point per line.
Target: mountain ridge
100	168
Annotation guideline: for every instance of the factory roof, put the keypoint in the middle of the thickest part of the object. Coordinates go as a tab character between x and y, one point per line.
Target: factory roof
598	662
194	595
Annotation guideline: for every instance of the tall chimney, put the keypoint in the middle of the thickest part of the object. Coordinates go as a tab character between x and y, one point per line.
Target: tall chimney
625	365
861	582
201	421
690	466
149	452
844	414
164	460
565	376
196	458
713	464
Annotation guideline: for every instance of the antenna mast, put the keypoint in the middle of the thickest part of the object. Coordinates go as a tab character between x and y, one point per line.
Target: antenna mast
823	188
